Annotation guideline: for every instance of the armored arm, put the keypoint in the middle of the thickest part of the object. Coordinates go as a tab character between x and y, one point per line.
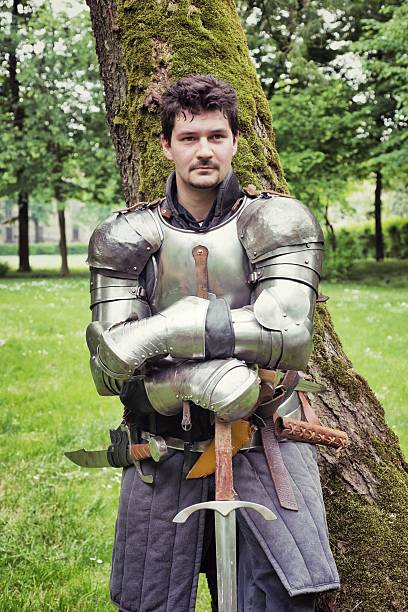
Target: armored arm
112	299
284	243
118	252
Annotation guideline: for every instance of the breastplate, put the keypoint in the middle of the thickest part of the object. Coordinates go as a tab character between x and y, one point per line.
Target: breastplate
228	265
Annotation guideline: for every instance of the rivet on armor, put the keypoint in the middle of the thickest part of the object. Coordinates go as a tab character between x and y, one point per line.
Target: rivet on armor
306	261
150	354
285	314
204	405
307	245
144	356
135	267
148	249
286	329
254	252
200	252
297	323
177	395
156	352
242	235
170	348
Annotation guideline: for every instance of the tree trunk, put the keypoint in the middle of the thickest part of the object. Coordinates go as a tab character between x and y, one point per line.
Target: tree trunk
379	239
37	231
63	242
18	122
141	47
330	230
23	233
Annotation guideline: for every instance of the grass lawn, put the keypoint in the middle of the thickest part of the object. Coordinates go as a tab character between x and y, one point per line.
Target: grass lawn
57	520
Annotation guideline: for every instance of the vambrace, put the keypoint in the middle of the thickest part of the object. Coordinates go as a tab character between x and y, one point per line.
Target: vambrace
178	331
227	387
277	330
112	299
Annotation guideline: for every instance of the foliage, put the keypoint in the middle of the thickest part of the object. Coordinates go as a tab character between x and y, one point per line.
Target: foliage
4	268
63	138
357	242
383	48
44	248
317	147
335	73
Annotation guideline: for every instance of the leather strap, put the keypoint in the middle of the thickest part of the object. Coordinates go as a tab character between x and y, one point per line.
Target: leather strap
277	468
200	254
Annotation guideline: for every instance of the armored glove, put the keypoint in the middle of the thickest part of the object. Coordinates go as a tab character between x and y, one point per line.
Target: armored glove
227	387
178	331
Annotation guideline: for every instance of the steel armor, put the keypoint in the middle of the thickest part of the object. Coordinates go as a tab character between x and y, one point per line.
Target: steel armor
264	262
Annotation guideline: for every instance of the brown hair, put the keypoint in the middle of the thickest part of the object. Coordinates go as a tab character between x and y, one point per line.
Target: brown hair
197	93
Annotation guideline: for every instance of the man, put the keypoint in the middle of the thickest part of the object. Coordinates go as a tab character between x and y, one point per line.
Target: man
157	344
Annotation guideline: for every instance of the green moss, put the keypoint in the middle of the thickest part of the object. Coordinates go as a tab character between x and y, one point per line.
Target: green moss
335	365
195	37
374	573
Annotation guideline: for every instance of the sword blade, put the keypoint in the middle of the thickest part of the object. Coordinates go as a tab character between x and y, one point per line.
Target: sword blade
91	459
225	542
226	549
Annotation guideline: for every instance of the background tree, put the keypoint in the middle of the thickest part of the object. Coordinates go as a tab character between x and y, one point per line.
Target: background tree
14	17
141	47
60	149
383	49
327	55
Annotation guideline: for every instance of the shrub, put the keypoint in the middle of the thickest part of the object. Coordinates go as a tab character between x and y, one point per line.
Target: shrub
4	268
44	248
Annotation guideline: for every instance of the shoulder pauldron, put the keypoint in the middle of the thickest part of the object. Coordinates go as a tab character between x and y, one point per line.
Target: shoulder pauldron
123	243
267	226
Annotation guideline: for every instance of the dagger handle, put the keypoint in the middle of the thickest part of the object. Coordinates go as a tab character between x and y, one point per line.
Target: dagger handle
155	449
139	452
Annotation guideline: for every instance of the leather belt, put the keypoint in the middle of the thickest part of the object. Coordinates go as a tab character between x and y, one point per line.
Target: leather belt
254	441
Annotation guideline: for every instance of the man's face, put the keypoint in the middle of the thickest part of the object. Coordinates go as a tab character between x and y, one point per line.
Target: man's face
202	147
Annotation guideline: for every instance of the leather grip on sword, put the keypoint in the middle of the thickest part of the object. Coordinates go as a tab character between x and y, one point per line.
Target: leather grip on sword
223	443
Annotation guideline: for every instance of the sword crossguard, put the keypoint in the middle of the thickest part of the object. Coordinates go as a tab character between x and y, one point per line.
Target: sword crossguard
224	508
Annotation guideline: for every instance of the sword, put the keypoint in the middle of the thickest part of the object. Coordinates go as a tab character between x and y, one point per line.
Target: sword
224	505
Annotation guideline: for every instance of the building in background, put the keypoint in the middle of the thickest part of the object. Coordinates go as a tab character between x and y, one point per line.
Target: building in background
79	224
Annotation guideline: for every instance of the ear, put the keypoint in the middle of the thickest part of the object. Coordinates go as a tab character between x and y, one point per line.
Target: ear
235	143
166	147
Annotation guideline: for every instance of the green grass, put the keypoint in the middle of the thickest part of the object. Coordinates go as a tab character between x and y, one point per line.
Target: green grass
372	324
57	520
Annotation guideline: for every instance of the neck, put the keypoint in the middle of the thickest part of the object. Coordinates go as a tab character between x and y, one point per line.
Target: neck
198	202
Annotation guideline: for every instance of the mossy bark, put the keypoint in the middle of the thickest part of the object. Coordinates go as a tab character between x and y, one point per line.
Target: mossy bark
141	47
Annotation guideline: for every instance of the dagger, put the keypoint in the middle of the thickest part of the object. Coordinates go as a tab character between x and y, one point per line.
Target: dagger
121	453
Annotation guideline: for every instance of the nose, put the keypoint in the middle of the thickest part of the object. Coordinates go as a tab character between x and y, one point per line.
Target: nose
204	150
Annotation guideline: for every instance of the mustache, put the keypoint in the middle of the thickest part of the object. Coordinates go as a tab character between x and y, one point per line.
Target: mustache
209	165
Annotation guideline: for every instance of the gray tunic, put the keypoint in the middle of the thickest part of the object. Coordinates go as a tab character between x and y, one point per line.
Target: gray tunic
156	563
